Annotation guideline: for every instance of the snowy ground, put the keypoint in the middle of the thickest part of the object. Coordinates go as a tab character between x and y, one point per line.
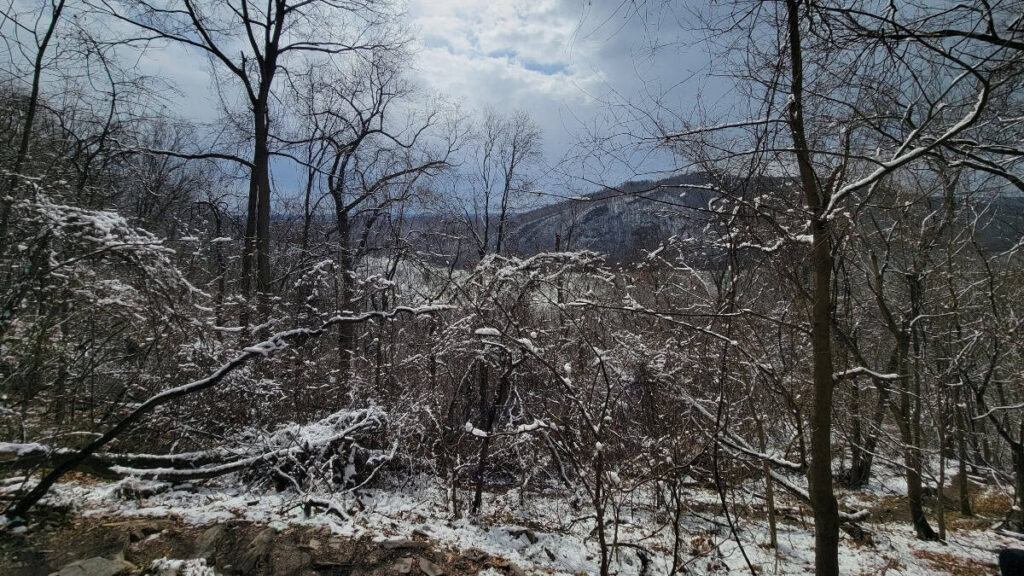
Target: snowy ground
564	544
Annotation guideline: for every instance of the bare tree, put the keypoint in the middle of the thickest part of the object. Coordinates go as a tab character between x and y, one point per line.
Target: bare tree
375	155
798	62
40	25
505	147
271	36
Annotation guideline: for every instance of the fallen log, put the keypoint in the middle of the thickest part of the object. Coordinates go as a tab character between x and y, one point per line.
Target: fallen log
263	349
32	455
352	426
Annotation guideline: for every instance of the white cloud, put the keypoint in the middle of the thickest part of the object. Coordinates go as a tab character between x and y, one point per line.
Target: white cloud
535	55
503	53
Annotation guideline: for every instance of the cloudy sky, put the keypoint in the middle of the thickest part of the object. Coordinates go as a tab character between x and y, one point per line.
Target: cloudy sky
579	67
570	63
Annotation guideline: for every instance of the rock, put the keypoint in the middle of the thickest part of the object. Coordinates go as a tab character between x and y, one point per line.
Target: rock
404	544
169	567
314	544
331	567
430	569
475	555
97	566
135	489
530	534
143	531
402	566
289	560
206	544
515	570
257	551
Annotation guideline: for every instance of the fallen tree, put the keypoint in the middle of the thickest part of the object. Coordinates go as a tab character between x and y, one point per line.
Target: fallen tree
344	448
87	455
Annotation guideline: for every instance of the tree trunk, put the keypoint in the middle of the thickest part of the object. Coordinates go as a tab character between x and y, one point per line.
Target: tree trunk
346	334
963	492
819	473
599	496
915	492
860	471
481	470
1018	462
453	489
248	252
916	446
488	414
911	447
257	225
823	500
221	272
769	486
261	173
940	502
856	433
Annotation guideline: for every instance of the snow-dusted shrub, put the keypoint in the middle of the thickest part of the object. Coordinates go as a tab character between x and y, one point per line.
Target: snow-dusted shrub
94	313
343	451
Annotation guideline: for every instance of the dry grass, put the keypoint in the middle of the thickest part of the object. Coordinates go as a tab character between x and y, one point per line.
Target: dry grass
890	564
945	563
988	506
958	522
869	497
992	503
889	509
84	479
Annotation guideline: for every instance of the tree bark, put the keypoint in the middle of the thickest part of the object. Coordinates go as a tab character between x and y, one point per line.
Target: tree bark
1018	461
261	174
599	496
963	492
909	435
860	471
346	334
823	500
769	486
482	386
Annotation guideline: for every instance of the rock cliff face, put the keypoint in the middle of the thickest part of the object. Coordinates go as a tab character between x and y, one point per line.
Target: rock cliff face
627	222
624	223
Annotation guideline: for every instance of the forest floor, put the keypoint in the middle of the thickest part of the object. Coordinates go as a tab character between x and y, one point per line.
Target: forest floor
188	530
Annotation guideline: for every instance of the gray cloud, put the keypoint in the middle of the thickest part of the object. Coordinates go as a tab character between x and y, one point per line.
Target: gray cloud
564	61
576	66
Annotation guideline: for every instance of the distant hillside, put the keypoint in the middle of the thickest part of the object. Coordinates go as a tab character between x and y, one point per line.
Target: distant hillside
627	222
622	223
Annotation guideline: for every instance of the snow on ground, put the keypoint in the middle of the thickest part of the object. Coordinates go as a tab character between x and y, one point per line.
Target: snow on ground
564	543
188	567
